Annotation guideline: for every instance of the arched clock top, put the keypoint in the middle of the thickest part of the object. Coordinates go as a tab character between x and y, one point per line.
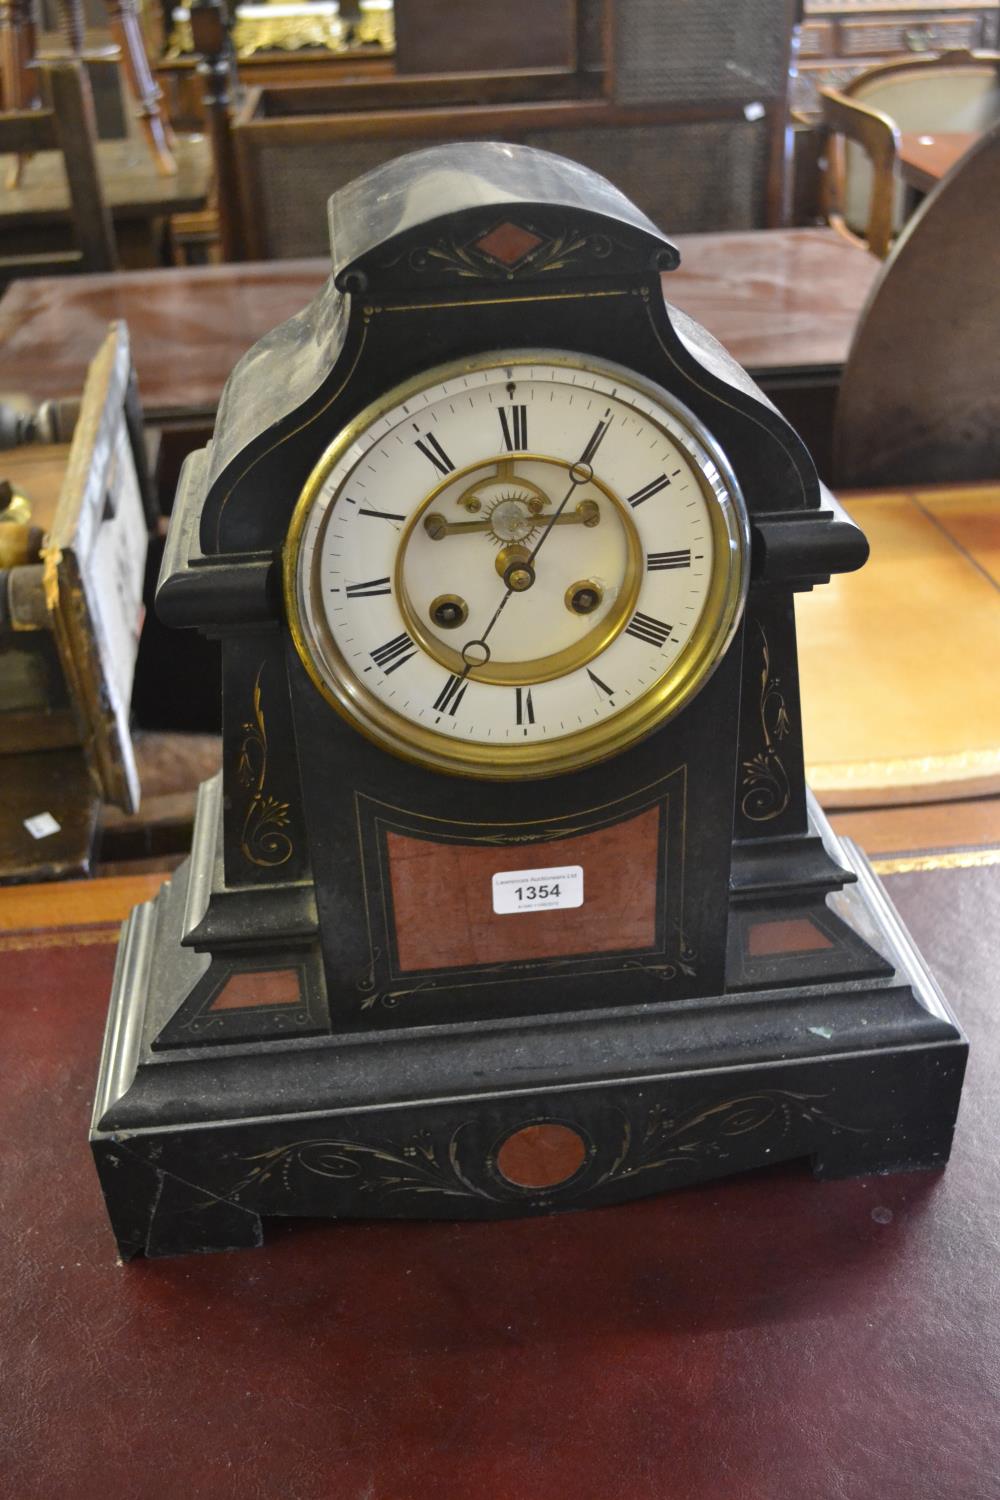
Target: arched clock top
446	254
486	212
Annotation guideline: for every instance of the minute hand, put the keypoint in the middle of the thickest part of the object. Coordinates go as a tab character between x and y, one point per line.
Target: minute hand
583	462
596	438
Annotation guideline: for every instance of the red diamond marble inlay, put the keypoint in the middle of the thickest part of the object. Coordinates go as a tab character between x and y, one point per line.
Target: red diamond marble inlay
508	243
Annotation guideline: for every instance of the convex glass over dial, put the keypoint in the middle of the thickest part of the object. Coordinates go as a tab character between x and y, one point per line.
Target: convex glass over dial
516	566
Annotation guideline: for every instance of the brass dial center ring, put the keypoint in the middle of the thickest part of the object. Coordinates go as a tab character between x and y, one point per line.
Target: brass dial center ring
534	641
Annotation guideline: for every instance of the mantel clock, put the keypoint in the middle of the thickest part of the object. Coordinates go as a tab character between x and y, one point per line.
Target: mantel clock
510	895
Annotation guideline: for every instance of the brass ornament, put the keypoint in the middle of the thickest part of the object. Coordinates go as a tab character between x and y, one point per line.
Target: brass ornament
448	611
263	841
20	540
584	596
767	790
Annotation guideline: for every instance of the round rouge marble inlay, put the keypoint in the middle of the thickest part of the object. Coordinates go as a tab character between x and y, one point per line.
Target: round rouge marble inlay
541	1156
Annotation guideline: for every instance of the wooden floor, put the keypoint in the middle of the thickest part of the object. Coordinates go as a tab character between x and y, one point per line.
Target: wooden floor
900	662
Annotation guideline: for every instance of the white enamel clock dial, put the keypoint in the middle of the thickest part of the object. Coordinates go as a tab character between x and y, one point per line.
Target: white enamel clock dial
516	566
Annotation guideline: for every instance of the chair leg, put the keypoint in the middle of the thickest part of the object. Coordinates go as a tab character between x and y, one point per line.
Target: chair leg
125	28
77	133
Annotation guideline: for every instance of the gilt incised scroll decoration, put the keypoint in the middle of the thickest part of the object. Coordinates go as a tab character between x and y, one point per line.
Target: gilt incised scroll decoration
766	788
262	841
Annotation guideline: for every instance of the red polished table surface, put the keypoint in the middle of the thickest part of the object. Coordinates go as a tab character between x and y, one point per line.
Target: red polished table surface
765	1338
778	299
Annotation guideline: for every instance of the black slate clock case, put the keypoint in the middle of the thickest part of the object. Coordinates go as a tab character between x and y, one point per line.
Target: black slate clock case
267	1051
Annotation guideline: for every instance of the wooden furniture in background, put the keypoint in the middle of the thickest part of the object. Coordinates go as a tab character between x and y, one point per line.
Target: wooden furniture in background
139	199
22	41
126	30
171	767
18	34
25	86
841	38
878	137
863	195
447	40
179	79
690	121
784	302
925	159
920	396
210	29
70	617
293	151
67	128
436	36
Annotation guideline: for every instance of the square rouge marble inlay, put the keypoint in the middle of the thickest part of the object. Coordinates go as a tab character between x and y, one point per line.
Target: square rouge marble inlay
442	897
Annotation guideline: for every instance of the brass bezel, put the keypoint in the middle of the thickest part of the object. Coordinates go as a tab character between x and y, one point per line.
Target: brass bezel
668	695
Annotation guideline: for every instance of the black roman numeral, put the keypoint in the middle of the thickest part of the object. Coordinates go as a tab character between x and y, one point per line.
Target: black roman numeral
655	561
599	684
515	428
394	654
383	515
525	707
368	590
648	490
645	628
431	448
451	695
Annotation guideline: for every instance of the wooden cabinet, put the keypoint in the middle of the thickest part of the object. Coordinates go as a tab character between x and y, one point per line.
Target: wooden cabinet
818	39
889	35
840	38
437	36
